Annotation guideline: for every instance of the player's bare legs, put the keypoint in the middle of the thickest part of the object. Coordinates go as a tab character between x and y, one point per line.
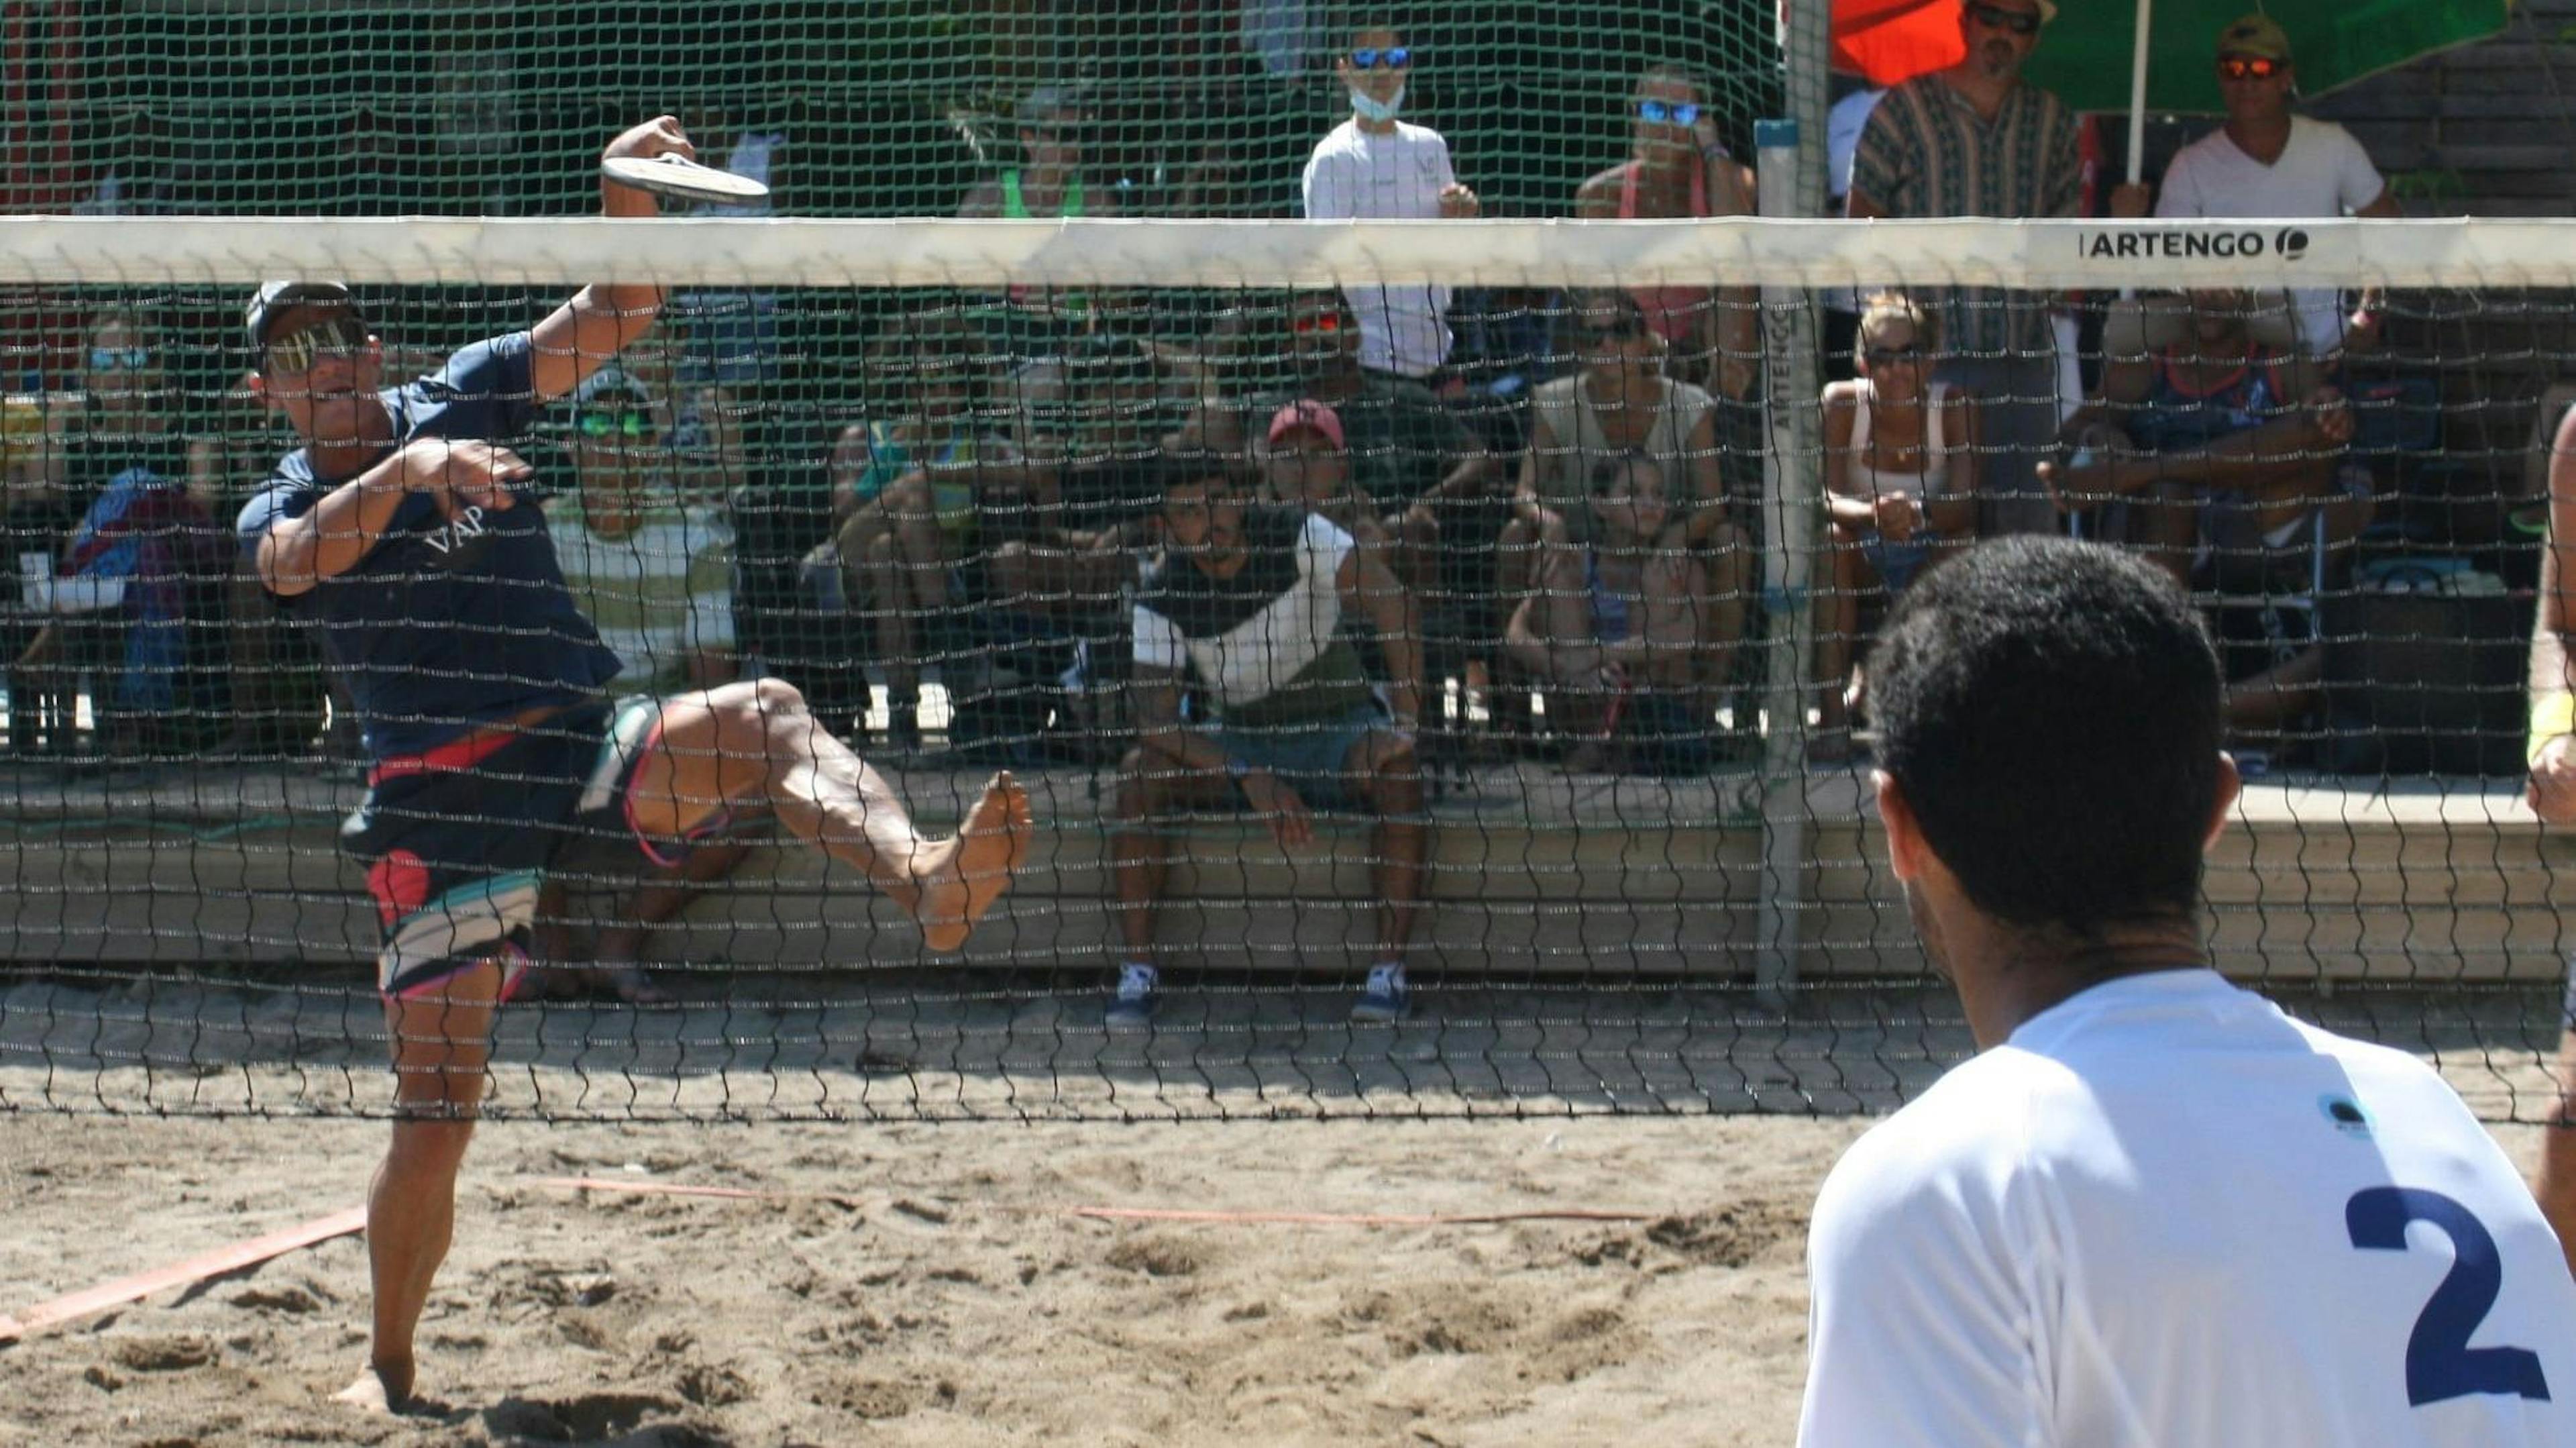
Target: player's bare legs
441	1042
755	740
2556	1187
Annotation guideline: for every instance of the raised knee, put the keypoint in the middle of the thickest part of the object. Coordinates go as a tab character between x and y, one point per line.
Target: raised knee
772	698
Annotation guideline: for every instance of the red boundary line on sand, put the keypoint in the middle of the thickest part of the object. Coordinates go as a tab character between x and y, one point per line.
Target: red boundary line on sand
1123	1214
45	1316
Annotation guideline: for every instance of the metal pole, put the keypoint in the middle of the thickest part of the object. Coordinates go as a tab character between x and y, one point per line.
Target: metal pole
1791	171
2138	89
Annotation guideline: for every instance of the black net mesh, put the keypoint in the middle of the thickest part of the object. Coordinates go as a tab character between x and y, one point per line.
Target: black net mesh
1515	632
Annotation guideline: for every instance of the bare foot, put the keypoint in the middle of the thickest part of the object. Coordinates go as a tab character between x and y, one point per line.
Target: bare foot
962	878
376	1391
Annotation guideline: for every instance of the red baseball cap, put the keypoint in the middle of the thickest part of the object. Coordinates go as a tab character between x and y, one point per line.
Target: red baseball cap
1307	412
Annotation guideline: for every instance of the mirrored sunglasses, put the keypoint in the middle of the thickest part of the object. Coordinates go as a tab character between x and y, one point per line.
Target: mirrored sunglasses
294	354
2249	67
602	423
1316	322
1667	113
119	359
1370	57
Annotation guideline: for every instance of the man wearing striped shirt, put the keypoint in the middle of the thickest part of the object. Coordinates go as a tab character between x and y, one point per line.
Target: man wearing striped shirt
1977	140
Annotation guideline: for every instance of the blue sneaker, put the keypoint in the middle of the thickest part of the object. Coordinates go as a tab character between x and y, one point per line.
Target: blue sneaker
1385	1000
1131	1008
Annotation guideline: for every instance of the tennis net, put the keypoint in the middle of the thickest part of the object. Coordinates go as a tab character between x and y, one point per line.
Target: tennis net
915	469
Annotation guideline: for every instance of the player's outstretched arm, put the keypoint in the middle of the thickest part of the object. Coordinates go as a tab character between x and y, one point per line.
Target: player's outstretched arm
579	337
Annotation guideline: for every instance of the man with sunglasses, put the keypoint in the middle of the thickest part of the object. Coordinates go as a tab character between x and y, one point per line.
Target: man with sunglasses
2267	161
397	531
1376	166
1977	140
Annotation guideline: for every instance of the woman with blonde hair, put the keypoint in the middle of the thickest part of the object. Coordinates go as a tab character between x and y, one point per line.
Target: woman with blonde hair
1900	486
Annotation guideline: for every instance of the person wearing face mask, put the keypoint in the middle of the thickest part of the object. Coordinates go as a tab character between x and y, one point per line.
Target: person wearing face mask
1376	166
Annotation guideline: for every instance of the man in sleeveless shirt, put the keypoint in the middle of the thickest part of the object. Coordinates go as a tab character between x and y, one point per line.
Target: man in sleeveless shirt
2552	793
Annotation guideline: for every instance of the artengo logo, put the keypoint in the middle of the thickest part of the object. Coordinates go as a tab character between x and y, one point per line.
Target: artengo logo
2287	244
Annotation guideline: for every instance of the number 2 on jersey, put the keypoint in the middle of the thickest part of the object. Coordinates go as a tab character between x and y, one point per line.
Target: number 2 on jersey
2440	1364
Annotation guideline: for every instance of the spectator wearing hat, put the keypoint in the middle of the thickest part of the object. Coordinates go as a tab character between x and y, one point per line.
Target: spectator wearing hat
2267	161
1306	465
1978	140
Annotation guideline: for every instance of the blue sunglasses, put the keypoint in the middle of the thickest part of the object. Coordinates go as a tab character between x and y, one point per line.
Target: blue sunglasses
1369	57
119	359
1662	113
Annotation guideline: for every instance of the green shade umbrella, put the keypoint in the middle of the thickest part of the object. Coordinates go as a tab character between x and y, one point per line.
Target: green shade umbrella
2088	57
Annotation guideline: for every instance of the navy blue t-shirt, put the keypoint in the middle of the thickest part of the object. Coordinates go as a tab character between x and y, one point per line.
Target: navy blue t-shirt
444	627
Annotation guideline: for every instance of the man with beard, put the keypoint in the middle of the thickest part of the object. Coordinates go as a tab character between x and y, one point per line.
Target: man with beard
1975	140
2155	1209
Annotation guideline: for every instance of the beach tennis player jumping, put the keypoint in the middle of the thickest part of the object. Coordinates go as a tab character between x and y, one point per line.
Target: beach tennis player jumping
495	755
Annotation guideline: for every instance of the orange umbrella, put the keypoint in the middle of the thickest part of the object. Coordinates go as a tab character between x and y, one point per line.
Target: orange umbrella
1887	41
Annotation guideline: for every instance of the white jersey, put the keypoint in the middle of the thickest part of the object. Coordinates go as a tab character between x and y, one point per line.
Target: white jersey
2166	1214
1395	177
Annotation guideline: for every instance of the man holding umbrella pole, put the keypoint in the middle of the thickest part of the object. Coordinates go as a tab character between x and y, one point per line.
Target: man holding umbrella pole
2267	161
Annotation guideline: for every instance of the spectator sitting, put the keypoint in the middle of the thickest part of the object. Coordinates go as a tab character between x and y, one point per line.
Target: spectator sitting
2223	446
1410	456
1091	490
1978	140
1614	628
1900	486
1306	465
152	562
654	575
914	510
1619	401
1247	603
1677	167
1374	165
1049	181
2269	162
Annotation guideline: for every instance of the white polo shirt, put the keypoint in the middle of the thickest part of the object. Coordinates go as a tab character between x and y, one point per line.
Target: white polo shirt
2164	1213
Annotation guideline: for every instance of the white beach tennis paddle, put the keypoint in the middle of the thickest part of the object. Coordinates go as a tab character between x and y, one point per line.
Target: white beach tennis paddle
682	179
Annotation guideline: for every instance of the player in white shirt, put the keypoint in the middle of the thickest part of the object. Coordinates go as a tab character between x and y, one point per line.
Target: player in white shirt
1376	166
2267	162
2553	789
2155	1210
